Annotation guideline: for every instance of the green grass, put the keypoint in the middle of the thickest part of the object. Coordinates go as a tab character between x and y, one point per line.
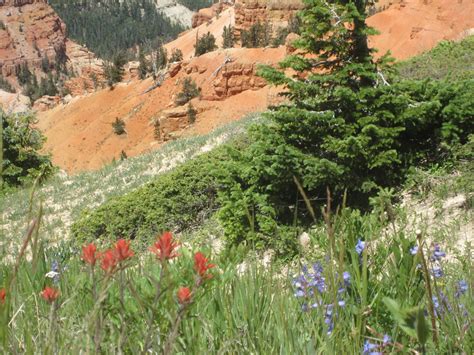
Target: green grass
65	197
250	312
449	59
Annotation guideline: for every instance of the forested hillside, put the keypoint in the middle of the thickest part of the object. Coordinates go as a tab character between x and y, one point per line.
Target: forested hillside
196	4
108	26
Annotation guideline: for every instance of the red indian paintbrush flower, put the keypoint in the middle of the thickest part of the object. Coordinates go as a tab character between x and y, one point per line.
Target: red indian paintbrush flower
89	254
164	248
184	295
201	265
3	295
122	250
50	294
108	261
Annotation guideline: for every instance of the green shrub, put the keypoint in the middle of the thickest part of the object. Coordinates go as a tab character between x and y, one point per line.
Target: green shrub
228	37
176	55
258	35
177	200
189	91
449	59
205	44
19	157
118	126
192	113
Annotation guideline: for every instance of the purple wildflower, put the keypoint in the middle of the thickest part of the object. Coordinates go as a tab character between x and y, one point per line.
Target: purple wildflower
386	339
461	288
370	348
437	272
438	254
360	246
414	250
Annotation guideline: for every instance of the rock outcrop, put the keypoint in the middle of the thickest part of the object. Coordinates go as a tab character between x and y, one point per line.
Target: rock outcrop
275	12
14	103
207	14
32	32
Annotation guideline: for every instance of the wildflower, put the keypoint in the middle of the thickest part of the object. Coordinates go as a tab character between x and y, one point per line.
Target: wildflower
122	250
328	318
386	339
461	288
360	246
201	265
437	272
108	261
89	254
184	295
438	254
54	273
369	348
164	248
414	250
50	294
3	295
346	276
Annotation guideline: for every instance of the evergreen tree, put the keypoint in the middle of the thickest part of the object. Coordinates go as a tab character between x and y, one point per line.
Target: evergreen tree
114	70
176	55
259	35
228	37
144	66
205	44
161	57
342	128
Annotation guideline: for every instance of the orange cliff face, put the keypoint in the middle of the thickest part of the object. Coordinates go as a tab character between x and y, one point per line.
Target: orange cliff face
32	31
80	134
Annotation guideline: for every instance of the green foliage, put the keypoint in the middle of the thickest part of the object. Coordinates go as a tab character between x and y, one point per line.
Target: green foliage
448	60
177	200
114	70
21	161
204	44
228	37
258	35
143	66
109	26
176	55
118	126
189	91
161	57
342	129
192	113
196	5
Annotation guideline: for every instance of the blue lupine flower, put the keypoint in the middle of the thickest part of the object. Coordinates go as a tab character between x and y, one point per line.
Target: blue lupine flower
360	246
437	272
369	348
386	339
438	254
54	273
414	250
341	303
346	277
461	288
328	318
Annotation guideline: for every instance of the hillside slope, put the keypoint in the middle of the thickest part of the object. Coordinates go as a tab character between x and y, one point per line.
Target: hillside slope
80	136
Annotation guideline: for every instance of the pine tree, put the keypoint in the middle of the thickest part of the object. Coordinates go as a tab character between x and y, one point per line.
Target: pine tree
161	57
205	44
144	66
228	37
176	55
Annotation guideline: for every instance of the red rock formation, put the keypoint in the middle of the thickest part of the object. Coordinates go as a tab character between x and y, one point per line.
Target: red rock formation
206	15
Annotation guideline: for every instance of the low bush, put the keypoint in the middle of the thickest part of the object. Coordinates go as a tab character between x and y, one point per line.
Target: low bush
205	44
189	90
177	200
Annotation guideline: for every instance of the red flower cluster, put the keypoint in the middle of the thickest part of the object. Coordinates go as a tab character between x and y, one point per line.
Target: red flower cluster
3	295
110	258
165	247
201	265
89	254
184	295
50	294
